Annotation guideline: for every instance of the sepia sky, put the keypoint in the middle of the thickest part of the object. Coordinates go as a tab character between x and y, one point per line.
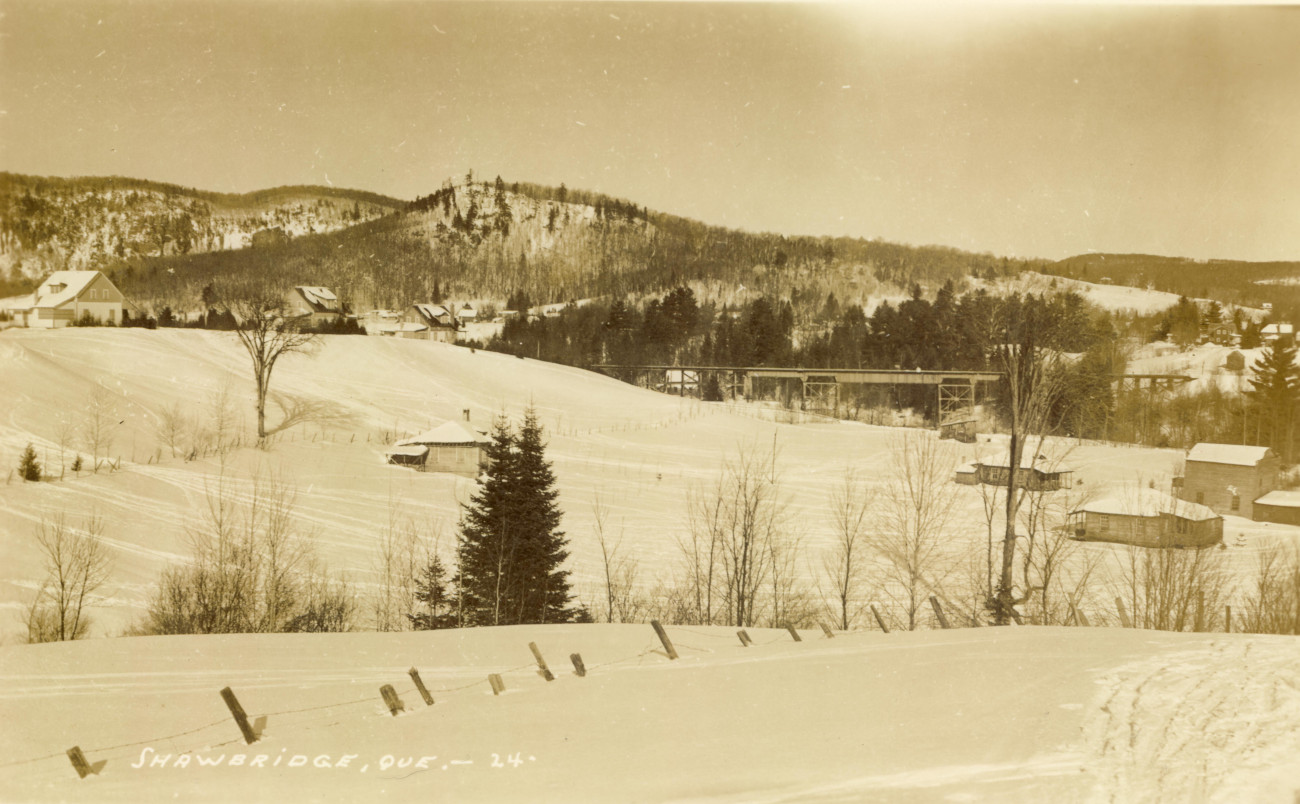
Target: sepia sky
1019	130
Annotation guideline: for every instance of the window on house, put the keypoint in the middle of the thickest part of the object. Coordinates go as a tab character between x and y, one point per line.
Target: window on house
1180	525
1236	502
1200	498
1103	522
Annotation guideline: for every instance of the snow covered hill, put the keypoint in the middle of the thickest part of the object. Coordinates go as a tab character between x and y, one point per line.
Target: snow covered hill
1020	714
640	453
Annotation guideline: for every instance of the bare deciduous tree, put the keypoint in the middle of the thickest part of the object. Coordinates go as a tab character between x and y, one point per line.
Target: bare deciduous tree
268	331
403	553
1034	381
846	563
171	426
1273	605
729	547
98	425
622	604
76	566
916	509
249	563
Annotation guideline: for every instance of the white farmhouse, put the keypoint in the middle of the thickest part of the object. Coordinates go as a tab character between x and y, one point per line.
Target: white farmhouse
70	296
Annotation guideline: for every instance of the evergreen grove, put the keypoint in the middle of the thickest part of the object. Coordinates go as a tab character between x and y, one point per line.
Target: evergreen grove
510	549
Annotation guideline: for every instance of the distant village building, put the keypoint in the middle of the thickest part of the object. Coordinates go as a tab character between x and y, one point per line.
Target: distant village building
1235	361
452	447
439	322
1228	478
1221	335
467	313
70	296
315	305
1146	518
1034	474
1273	332
1282	507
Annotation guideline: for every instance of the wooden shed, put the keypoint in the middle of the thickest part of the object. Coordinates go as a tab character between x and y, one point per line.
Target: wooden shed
1146	518
1035	474
1282	507
1229	477
452	447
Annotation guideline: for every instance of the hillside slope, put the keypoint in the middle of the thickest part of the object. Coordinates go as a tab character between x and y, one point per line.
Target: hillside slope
640	453
49	223
1014	715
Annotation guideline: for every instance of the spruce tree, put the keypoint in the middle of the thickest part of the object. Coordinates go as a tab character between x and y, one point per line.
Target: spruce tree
545	588
28	467
511	552
1275	392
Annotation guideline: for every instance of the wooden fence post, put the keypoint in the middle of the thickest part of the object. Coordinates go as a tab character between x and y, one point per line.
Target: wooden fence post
237	712
541	663
1123	613
938	612
578	666
498	686
1227	619
879	620
419	685
793	633
663	637
829	634
79	762
390	698
745	641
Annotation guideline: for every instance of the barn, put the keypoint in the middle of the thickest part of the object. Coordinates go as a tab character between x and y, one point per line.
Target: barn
451	447
1228	478
1146	518
438	322
1282	507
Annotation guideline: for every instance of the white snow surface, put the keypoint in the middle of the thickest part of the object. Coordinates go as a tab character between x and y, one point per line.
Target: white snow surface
1020	714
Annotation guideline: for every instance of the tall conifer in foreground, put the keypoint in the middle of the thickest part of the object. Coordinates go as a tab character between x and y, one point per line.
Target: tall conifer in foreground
510	550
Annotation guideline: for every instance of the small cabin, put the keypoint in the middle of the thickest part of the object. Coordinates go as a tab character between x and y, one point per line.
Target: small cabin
452	447
1235	362
1035	474
1282	507
1146	518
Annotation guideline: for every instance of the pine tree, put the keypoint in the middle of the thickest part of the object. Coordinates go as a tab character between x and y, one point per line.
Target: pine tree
431	590
1276	392
510	550
546	584
28	467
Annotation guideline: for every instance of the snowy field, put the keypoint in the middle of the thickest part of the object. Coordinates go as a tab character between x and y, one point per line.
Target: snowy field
642	454
1021	714
1106	296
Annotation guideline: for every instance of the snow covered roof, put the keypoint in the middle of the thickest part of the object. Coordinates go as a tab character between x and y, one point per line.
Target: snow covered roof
467	312
1282	499
73	282
321	299
967	469
446	433
1235	454
1277	329
1148	502
413	450
1028	460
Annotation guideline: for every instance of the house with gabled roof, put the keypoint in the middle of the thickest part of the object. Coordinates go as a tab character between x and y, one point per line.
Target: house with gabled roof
1228	477
440	323
70	296
316	305
1146	518
453	447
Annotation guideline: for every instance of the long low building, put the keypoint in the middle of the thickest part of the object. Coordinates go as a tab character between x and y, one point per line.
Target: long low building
1282	507
1146	518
